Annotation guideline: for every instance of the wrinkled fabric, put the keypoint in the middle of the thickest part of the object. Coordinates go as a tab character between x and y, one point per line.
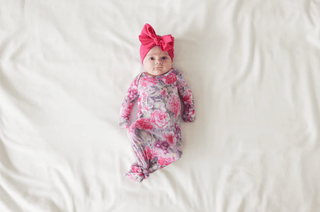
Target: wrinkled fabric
253	68
155	136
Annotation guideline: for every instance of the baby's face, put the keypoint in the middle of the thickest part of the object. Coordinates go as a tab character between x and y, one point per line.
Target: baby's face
157	62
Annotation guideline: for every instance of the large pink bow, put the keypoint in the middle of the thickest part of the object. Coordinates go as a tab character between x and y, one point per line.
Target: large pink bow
149	39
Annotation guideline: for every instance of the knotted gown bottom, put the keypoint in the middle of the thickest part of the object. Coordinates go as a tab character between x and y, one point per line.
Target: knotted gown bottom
154	148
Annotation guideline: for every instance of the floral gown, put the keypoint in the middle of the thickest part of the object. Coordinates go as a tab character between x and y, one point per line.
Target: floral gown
156	136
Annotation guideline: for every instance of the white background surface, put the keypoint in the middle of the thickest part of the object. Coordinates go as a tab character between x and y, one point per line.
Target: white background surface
253	67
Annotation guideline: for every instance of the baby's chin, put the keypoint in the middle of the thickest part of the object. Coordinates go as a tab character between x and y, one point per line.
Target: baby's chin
159	72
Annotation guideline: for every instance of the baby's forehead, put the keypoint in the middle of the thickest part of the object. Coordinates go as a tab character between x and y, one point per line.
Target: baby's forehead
157	51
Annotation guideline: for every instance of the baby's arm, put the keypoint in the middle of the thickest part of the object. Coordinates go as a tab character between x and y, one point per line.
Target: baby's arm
188	115
128	103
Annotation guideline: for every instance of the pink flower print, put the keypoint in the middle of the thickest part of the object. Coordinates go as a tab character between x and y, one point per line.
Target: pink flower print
173	105
165	161
145	81
132	92
148	153
135	169
155	151
125	111
163	92
142	124
187	97
171	78
160	118
144	95
169	137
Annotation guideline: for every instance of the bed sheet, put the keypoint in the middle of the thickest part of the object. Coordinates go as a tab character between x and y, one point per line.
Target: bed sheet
254	70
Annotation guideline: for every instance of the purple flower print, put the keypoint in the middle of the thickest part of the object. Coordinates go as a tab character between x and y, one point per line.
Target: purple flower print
132	93
165	145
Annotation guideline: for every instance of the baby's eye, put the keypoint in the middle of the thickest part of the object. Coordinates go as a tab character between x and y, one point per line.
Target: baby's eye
151	58
164	58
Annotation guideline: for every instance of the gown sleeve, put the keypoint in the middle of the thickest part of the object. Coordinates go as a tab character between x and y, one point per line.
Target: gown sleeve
188	115
127	104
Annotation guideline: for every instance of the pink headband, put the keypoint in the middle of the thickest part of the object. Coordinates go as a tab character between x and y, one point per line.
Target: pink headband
149	39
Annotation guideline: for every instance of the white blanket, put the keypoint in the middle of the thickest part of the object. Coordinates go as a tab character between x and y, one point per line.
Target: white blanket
254	70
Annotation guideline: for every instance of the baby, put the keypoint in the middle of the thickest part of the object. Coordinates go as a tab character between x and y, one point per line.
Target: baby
156	136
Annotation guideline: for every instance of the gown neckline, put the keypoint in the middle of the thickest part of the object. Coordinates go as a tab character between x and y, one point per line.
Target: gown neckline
160	76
